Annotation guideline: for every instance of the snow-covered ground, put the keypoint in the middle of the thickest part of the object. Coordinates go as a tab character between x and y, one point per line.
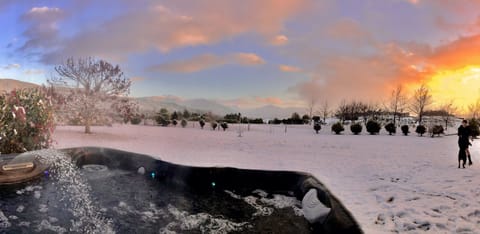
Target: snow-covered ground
390	183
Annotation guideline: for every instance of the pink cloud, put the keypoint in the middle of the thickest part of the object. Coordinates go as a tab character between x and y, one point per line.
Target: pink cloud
279	40
254	102
42	30
187	24
208	61
287	68
348	29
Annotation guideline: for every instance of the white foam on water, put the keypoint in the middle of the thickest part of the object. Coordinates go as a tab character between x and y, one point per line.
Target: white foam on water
45	225
206	223
29	189
233	194
52	219
261	210
13	217
281	201
75	191
42	208
37	194
278	201
24	224
20	208
4	223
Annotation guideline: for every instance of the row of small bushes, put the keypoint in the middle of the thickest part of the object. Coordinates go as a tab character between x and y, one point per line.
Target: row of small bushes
373	127
164	123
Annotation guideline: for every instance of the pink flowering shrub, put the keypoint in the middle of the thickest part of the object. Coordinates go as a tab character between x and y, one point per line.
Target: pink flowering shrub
26	121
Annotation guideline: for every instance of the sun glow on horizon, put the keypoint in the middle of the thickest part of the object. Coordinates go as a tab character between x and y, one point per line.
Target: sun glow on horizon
462	86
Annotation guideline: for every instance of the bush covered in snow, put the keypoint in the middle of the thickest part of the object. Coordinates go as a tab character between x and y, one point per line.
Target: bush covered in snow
435	130
474	127
224	125
337	128
213	125
183	123
420	130
136	120
405	130
391	128
373	127
356	128
317	127
26	121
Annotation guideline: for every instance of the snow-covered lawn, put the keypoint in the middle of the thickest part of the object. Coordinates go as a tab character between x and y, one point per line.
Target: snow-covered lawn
389	183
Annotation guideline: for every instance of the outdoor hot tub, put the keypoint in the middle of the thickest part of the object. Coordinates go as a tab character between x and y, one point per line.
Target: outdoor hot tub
100	190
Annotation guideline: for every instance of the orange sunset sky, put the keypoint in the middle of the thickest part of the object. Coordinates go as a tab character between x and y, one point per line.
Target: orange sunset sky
253	53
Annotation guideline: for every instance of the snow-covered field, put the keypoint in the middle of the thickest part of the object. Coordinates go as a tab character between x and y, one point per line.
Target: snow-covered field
390	183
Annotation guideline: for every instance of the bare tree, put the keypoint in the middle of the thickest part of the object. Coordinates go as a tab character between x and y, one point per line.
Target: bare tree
325	110
94	86
474	109
421	99
396	103
311	107
448	110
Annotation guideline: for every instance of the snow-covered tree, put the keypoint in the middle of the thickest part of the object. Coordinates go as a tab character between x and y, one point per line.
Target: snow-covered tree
93	87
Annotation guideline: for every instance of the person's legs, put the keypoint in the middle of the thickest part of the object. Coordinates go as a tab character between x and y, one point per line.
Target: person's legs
467	151
462	157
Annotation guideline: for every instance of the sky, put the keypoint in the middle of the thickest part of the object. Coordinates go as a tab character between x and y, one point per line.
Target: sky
252	53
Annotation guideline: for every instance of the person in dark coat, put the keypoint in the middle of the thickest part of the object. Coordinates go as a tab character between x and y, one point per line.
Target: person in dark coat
464	143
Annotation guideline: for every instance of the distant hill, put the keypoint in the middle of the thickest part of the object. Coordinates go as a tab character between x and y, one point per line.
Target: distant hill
155	103
203	105
7	85
271	112
208	106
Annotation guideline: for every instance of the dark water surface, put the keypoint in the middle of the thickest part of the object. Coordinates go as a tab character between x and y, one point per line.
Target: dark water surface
96	199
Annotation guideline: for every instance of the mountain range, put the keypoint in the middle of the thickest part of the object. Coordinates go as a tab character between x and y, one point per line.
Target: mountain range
172	103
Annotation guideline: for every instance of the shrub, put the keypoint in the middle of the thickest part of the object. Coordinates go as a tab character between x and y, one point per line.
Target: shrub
420	130
26	121
405	130
356	128
183	123
214	125
162	121
136	120
202	123
373	127
317	127
391	128
474	128
174	122
337	128
224	125
435	130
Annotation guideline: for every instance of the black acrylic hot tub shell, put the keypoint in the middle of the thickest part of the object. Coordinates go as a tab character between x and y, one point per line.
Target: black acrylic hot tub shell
200	178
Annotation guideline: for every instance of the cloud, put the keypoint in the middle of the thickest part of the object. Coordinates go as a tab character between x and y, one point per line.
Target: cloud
137	79
246	59
11	66
254	102
287	68
279	40
34	71
349	30
270	100
186	24
457	54
208	61
42	30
